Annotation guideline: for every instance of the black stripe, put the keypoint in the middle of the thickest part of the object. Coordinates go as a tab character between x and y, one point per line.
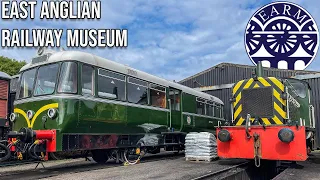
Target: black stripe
274	86
252	85
272	121
278	116
240	88
260	84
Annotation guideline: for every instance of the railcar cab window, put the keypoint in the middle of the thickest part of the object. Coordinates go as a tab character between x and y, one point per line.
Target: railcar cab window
111	85
158	96
46	79
137	91
27	82
87	80
299	87
68	78
201	106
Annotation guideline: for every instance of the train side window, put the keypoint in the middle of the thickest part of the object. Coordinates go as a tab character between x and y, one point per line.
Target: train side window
137	91
209	108
68	80
111	85
174	99
157	96
87	80
201	106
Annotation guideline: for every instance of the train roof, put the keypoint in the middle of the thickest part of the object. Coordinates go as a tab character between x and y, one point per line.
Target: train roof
116	67
4	75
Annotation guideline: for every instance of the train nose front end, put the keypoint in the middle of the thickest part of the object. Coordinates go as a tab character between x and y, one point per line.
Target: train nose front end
262	128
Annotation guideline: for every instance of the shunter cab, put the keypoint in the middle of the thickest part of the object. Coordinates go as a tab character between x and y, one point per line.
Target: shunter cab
273	119
5	107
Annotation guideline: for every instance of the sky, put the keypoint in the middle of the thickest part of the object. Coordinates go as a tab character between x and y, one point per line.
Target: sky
169	38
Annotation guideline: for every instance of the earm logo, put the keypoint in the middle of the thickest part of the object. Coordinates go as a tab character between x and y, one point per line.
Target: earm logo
282	35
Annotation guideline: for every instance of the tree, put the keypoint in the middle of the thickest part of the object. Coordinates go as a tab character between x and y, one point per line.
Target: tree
10	66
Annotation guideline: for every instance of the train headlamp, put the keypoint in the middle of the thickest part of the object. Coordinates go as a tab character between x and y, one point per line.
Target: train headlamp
286	135
30	114
13	117
52	113
224	135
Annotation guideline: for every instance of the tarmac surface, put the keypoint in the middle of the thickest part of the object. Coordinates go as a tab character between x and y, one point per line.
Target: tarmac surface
308	170
164	170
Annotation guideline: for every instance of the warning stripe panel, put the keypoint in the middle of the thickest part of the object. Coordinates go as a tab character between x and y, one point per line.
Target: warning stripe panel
279	103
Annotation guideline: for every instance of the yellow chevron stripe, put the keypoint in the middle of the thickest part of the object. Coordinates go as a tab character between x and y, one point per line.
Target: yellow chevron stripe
238	98
237	86
266	121
256	86
277	95
240	121
277	120
238	111
20	111
277	83
280	111
44	108
250	81
263	81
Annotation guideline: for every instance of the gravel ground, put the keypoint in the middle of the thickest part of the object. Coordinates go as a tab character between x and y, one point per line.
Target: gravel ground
163	169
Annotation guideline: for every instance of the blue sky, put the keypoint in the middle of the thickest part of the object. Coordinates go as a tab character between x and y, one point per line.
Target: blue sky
169	38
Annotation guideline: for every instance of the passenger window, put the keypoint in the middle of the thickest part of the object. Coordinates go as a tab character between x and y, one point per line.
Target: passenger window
157	96
209	108
174	99
111	85
87	80
137	91
68	78
201	106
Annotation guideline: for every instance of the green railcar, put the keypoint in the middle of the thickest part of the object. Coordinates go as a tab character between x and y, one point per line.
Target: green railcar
72	101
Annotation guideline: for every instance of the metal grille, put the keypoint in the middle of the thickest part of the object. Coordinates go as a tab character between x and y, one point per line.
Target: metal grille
257	102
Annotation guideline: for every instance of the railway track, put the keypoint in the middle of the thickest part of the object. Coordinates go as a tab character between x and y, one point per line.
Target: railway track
42	173
224	173
16	163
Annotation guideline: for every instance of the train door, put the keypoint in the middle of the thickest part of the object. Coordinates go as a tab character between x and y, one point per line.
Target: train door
175	109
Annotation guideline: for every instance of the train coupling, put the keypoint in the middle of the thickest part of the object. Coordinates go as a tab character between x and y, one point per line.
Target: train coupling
28	135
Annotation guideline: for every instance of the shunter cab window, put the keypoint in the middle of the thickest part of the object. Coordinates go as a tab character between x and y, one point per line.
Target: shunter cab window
87	80
299	87
46	79
27	82
157	96
68	78
174	99
111	85
137	91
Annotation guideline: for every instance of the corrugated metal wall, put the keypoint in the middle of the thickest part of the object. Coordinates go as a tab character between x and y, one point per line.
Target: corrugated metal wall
226	73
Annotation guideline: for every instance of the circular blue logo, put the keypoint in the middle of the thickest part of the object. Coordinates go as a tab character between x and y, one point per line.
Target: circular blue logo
282	35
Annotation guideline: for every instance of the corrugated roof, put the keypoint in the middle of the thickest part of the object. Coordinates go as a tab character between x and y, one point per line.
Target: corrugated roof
221	65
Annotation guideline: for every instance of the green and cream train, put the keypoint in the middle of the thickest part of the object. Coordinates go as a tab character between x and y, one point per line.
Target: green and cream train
73	102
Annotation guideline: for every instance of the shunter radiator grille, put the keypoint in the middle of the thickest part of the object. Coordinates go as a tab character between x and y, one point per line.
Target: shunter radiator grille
257	102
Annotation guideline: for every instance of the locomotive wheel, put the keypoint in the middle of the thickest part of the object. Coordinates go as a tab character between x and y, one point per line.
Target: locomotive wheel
4	152
100	156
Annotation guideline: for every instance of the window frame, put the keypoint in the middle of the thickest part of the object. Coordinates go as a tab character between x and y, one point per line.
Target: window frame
93	90
56	83
125	83
165	93
20	81
77	81
146	86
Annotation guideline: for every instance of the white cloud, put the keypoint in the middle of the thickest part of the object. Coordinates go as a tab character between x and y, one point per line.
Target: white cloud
168	38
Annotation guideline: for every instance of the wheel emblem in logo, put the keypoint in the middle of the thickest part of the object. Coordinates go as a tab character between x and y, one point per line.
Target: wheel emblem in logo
282	35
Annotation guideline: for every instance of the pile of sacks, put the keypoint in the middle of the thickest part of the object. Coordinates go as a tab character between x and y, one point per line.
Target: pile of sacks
202	146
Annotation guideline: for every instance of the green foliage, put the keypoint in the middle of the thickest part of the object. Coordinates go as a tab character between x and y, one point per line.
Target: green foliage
10	66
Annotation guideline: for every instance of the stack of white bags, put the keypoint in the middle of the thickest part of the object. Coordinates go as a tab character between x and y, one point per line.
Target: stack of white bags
202	146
